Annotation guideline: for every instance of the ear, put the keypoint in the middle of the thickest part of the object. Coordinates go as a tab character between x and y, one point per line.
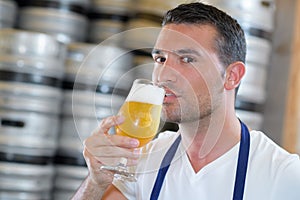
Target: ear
234	74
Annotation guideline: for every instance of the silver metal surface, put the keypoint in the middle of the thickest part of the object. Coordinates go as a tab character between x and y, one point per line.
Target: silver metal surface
31	52
257	13
30	178
8	12
99	64
28	133
62	25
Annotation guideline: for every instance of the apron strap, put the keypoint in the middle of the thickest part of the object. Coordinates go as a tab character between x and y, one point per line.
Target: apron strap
241	170
242	164
165	164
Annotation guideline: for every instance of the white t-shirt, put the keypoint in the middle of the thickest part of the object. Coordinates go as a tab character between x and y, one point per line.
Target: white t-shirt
273	173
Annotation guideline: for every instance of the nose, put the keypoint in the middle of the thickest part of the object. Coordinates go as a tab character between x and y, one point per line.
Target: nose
165	73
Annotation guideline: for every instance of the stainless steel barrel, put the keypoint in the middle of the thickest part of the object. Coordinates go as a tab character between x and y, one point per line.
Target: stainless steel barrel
253	86
82	112
93	89
25	181
106	26
67	181
156	7
258	14
251	118
31	72
143	65
257	19
108	18
66	20
102	66
31	69
123	7
8	13
31	52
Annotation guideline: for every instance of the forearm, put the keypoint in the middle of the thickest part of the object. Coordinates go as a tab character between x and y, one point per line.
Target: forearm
90	190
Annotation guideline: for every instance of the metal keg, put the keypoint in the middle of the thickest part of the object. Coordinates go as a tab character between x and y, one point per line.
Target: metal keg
8	12
253	119
257	19
82	111
156	7
25	181
59	18
31	53
143	27
67	181
28	133
102	66
141	32
108	18
253	85
31	69
255	14
106	26
95	84
123	8
143	65
258	50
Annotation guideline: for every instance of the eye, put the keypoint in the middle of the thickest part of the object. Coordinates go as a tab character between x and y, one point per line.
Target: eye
159	59
187	59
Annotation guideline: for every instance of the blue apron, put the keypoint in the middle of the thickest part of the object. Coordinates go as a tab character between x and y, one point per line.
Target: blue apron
240	171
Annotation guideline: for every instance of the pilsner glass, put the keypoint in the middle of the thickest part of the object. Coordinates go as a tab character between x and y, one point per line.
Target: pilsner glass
141	109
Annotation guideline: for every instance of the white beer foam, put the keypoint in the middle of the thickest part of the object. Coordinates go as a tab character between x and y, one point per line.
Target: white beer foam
146	94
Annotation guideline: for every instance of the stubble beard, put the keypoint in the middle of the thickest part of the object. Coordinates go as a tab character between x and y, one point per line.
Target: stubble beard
173	112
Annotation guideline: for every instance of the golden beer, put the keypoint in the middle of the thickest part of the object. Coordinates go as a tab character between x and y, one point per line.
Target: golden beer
142	121
141	110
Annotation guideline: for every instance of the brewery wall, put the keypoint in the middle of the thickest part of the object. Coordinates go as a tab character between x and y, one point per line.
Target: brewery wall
64	65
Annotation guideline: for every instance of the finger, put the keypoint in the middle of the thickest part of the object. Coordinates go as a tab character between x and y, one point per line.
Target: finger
107	123
110	140
116	161
113	151
95	162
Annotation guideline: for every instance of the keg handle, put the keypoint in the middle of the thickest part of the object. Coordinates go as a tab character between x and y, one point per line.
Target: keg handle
12	123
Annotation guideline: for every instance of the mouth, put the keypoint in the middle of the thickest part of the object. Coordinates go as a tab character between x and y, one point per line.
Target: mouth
170	96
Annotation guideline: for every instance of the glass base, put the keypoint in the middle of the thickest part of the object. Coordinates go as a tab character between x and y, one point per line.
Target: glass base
120	171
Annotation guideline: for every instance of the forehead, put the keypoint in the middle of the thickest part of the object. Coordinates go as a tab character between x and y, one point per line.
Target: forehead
186	36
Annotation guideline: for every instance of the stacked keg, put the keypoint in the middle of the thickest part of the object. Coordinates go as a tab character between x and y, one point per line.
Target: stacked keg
257	19
108	18
65	19
8	12
31	70
96	81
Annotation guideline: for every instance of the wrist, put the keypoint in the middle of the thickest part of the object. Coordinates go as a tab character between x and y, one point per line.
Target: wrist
92	183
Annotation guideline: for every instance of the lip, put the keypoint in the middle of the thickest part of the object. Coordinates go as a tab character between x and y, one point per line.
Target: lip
170	96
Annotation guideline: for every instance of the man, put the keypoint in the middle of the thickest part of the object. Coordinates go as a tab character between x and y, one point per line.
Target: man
199	60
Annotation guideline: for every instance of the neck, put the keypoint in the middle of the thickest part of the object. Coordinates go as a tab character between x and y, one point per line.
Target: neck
211	139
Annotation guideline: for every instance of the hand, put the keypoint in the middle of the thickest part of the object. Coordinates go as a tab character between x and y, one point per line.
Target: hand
104	149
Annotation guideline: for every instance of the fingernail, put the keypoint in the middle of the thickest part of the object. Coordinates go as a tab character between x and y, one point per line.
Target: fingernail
134	143
120	119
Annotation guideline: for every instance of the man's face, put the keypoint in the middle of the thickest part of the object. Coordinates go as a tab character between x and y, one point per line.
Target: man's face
187	65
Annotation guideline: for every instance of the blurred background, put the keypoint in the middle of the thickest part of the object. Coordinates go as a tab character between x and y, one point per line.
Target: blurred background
56	82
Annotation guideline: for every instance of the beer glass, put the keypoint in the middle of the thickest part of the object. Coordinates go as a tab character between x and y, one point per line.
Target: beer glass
141	109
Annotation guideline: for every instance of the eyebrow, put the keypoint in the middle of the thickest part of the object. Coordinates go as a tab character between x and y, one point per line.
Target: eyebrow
178	52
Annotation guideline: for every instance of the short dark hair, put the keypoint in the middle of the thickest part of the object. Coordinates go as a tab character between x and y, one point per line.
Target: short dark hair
230	42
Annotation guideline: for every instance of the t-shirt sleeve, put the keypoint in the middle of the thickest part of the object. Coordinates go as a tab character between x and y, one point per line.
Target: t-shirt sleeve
287	183
126	188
